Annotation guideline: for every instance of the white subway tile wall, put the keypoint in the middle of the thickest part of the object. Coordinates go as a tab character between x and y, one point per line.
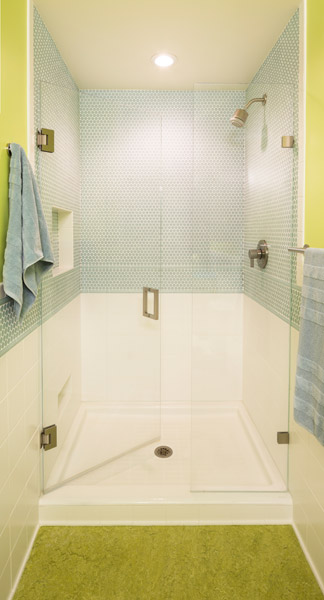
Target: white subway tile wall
20	398
266	376
202	357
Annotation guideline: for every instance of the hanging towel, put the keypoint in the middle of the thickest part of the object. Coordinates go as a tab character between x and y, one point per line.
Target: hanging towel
28	253
309	389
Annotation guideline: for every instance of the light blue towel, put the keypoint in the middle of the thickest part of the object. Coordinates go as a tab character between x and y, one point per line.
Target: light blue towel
28	253
309	390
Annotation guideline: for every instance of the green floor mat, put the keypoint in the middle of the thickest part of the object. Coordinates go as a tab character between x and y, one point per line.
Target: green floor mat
167	563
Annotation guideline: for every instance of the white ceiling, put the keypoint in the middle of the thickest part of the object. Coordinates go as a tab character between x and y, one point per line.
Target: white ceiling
109	43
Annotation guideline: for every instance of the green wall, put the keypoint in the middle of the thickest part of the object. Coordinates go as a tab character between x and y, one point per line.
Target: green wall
314	204
13	109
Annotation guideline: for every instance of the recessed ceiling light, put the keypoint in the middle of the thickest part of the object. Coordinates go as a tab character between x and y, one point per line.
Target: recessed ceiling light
164	60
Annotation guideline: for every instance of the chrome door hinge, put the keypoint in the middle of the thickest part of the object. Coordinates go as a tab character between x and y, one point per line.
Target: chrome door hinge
45	140
283	437
49	437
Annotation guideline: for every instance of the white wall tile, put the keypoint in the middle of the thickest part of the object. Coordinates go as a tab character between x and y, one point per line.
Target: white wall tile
61	373
315	548
17	443
4	426
18	554
4	462
7	501
19	456
15	365
16	403
32	381
18	517
266	376
4	547
3	377
217	326
32	418
5	580
32	349
117	340
32	522
217	314
216	368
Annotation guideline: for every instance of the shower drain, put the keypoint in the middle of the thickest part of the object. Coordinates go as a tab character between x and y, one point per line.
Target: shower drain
163	451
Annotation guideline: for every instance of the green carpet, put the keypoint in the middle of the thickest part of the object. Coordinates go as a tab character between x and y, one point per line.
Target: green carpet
167	563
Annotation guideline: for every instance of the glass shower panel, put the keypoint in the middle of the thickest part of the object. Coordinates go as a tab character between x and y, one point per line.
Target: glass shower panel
101	354
243	193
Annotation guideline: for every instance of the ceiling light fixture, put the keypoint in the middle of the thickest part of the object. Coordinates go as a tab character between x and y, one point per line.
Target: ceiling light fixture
164	60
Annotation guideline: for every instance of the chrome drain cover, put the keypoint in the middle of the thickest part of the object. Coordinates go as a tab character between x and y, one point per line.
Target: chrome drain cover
163	451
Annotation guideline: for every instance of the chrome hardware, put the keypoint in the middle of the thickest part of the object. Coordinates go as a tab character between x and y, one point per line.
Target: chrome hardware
299	250
155	314
287	141
163	451
254	255
263	101
45	140
260	254
49	437
282	437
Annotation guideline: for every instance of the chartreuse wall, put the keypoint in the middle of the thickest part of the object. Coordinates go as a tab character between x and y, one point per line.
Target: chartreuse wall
13	109
306	454
314	204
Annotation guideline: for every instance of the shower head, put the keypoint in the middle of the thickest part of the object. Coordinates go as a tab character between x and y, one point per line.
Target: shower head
239	117
241	114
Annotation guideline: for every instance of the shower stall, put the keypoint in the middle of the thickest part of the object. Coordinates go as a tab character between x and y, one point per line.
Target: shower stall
157	333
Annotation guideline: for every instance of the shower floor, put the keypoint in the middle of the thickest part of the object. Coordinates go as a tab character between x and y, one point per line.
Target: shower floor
218	458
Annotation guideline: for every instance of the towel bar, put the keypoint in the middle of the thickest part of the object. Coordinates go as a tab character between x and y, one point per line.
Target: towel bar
299	250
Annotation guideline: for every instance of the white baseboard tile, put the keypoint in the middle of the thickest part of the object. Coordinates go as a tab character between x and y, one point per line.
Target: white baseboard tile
166	514
309	558
21	570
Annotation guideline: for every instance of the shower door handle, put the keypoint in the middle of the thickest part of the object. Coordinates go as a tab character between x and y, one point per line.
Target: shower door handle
155	314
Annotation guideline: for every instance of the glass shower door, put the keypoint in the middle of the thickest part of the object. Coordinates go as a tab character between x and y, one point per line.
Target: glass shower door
243	192
101	320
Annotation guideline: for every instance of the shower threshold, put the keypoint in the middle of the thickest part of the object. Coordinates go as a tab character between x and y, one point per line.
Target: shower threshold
219	472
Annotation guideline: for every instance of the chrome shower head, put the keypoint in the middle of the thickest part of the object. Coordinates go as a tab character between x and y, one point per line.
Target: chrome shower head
241	114
239	117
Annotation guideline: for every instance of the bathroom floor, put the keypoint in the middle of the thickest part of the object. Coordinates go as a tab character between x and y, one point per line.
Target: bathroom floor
167	563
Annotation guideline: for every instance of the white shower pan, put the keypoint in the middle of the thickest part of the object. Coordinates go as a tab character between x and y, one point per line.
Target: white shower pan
220	470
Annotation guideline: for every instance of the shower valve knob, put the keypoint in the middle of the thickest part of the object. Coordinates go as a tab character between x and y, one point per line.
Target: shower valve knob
254	255
260	254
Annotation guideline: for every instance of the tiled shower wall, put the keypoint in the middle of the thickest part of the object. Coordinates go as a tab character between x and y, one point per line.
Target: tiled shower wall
56	106
56	101
270	202
161	202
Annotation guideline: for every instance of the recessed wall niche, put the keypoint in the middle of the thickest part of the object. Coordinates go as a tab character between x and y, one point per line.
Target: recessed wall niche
62	239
